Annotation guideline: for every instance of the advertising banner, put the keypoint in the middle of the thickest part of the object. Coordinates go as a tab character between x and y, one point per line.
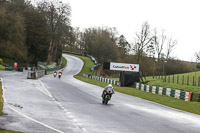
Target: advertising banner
124	67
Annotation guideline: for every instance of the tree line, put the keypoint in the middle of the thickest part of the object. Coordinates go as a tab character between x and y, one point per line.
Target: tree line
151	49
31	33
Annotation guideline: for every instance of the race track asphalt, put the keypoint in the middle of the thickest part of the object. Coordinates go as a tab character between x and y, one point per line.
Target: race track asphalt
51	105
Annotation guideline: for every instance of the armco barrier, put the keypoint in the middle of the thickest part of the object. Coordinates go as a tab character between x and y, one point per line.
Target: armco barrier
102	79
179	94
53	69
8	68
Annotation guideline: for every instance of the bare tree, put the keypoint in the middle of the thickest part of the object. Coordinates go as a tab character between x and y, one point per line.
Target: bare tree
197	55
142	41
150	51
170	45
159	42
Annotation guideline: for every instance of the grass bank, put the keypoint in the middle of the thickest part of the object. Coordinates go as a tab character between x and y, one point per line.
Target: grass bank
193	107
64	62
178	81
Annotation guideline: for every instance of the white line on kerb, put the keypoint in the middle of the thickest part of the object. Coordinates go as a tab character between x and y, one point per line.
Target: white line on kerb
28	116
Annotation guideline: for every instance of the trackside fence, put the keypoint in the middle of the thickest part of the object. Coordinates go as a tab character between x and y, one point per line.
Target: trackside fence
102	79
179	94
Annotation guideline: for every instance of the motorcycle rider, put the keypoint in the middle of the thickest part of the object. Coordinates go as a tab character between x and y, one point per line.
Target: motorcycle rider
54	74
59	74
109	87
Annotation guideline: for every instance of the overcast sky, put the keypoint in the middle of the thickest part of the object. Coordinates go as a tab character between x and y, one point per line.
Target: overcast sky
179	18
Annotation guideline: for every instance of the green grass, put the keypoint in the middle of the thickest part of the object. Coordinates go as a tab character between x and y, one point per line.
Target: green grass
64	62
7	131
193	107
181	85
2	67
160	83
87	66
117	79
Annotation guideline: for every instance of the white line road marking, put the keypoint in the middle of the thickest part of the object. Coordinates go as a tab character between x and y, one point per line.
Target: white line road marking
59	131
45	91
45	125
84	129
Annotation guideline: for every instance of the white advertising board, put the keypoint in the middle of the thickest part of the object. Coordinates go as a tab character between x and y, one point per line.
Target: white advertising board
124	67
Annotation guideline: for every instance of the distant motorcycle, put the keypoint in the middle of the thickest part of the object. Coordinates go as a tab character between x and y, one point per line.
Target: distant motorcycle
59	75
107	96
54	74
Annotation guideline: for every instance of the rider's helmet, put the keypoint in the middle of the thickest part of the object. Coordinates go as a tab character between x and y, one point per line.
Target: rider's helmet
109	85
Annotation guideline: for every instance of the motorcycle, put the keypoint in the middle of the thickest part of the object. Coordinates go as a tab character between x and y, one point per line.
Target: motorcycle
59	76
107	96
54	74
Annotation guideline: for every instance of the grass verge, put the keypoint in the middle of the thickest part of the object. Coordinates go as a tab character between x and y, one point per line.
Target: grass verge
86	67
178	81
193	107
7	131
64	62
160	83
2	67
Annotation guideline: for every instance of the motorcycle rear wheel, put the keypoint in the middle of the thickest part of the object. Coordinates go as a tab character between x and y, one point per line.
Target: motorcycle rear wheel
106	102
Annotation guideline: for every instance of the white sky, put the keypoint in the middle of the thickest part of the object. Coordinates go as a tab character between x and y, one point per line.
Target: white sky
179	18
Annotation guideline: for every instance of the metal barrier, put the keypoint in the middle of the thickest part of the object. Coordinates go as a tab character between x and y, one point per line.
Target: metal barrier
35	74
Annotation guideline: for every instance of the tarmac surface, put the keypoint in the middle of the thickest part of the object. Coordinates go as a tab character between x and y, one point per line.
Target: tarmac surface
67	105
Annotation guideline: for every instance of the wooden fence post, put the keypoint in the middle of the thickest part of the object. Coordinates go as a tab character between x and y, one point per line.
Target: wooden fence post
199	81
169	79
188	80
193	81
182	79
177	79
